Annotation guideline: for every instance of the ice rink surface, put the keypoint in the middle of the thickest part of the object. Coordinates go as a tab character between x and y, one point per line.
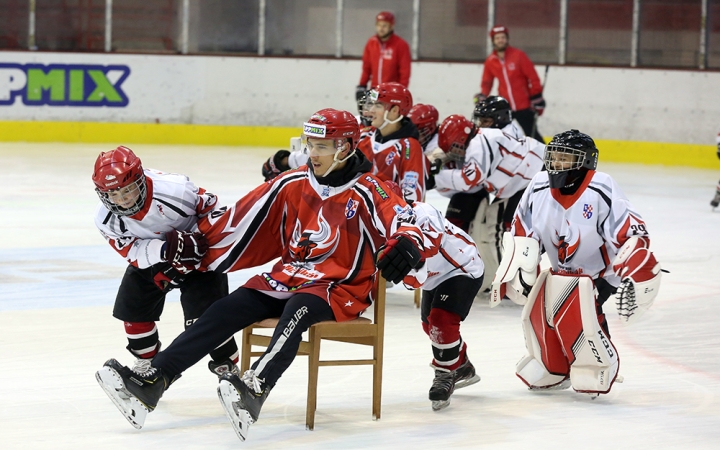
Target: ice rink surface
58	280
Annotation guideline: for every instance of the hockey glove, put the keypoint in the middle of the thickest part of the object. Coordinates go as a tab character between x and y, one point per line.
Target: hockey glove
478	98
537	103
274	166
398	257
168	279
184	250
640	275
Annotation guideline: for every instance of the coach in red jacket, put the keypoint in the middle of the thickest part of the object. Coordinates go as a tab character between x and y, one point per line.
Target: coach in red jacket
386	57
519	82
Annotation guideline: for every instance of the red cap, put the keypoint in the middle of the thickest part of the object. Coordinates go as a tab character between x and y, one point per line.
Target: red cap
499	29
385	16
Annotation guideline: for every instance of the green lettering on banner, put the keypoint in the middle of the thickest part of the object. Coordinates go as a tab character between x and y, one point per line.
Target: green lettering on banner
103	89
77	85
39	81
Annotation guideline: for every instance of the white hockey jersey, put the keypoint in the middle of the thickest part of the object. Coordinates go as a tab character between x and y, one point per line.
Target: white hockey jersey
495	160
173	203
453	252
581	233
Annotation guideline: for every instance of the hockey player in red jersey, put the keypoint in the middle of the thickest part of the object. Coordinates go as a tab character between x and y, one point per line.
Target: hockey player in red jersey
147	217
450	278
491	162
393	146
326	224
596	243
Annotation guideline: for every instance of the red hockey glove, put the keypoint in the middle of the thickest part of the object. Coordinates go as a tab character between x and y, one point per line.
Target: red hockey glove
184	250
168	279
398	257
274	165
537	103
640	275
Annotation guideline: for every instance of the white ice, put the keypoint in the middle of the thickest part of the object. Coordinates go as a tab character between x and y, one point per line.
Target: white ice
58	280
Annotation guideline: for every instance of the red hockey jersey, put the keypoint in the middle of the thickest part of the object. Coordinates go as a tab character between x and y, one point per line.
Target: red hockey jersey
326	237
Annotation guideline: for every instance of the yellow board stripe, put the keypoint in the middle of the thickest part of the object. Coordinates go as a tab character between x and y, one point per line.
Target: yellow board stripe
693	155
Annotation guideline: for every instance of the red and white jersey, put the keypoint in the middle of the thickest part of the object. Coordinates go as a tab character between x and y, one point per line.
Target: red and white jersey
173	202
326	237
494	160
581	233
449	251
399	160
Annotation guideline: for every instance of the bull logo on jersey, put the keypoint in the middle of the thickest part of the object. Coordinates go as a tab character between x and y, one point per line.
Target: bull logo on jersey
310	247
566	244
471	173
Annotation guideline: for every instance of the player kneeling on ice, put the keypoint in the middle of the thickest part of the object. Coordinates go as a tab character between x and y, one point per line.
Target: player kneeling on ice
450	279
597	244
325	221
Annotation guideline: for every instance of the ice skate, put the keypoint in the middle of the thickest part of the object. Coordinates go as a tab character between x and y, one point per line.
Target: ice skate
465	375
220	368
242	399
134	394
442	388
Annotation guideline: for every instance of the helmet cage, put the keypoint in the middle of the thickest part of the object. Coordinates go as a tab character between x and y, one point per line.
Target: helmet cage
135	192
426	132
456	153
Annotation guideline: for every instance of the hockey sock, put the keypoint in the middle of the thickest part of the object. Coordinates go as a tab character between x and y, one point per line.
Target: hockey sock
447	344
142	339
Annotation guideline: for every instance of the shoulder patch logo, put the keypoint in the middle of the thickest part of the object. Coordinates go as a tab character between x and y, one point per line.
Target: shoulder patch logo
351	208
587	211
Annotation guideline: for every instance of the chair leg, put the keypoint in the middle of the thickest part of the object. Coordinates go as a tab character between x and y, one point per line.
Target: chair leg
377	377
313	366
245	349
418	297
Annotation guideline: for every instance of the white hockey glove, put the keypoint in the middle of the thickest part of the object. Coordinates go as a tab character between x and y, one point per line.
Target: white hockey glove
640	275
518	270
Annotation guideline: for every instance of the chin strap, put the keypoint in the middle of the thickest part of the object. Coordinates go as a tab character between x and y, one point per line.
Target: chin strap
387	122
337	161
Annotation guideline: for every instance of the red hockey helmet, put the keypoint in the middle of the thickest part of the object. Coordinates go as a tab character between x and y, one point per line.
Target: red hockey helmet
120	181
333	124
454	134
385	16
392	94
425	118
499	29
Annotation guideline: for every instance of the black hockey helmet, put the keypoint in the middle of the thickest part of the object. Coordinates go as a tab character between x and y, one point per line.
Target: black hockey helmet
568	156
495	108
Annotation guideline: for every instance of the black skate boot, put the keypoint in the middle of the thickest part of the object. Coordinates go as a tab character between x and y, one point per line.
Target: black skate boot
135	394
465	375
716	200
442	388
242	399
220	368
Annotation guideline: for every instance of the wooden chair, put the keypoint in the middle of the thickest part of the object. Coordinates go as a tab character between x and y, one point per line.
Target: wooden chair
360	331
418	297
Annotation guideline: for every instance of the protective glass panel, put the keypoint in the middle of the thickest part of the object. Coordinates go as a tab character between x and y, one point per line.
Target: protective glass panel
300	27
359	22
713	28
453	30
599	32
13	24
534	27
224	26
145	26
669	33
70	25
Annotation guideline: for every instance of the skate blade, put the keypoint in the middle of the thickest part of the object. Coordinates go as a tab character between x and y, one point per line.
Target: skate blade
468	382
130	407
438	405
230	400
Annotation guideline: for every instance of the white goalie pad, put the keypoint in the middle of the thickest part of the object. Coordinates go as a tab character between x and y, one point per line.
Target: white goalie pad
640	274
564	338
517	271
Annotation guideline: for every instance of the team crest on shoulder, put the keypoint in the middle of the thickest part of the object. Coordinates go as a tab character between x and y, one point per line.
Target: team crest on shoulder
351	208
587	211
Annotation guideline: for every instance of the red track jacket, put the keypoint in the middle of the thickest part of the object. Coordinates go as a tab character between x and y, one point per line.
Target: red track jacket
386	61
518	79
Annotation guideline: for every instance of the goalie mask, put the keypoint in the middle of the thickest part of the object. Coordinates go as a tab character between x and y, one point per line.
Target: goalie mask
493	112
425	118
120	181
568	157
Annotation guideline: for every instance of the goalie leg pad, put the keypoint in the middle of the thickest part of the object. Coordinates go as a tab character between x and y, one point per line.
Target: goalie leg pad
545	365
570	307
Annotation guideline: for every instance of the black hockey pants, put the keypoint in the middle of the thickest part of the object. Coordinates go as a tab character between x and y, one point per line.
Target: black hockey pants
238	310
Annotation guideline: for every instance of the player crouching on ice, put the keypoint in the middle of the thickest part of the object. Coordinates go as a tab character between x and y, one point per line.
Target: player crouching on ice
597	244
325	221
